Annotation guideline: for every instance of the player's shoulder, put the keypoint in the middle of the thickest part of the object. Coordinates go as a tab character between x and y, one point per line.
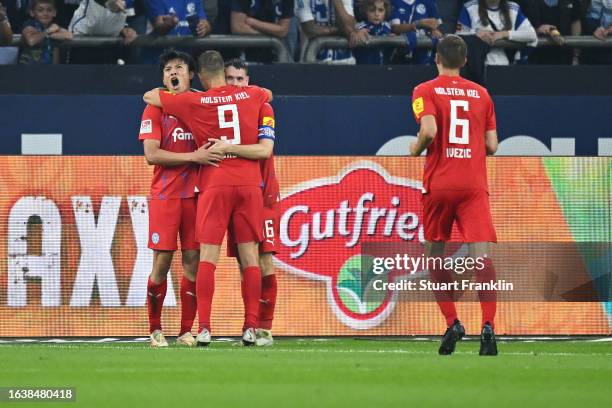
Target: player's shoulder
481	89
152	111
424	87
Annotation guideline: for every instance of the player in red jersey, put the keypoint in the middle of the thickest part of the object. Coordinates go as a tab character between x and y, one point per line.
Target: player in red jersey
229	194
458	129
236	73
169	145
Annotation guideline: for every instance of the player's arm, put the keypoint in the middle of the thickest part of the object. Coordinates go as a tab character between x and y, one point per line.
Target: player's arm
491	129
425	114
152	98
426	135
491	142
259	151
155	155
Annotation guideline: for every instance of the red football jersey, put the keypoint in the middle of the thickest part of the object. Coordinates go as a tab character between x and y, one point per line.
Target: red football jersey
230	113
456	159
271	190
173	136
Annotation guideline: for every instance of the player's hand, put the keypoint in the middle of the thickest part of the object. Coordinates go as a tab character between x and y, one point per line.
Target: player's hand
218	146
207	157
203	28
170	20
601	33
358	38
129	35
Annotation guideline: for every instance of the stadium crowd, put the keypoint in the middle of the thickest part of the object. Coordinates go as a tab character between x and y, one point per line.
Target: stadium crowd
43	24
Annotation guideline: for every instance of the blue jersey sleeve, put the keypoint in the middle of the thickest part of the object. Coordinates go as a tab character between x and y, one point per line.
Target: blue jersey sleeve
200	10
155	8
464	18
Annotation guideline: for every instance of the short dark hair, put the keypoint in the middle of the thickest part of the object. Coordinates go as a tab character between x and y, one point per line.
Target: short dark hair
238	64
452	51
211	62
35	3
366	5
172	54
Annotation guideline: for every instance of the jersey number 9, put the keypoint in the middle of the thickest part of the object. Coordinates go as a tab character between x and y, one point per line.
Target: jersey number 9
234	123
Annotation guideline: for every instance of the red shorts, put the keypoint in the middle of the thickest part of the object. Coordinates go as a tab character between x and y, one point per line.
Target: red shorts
169	218
271	231
240	206
468	208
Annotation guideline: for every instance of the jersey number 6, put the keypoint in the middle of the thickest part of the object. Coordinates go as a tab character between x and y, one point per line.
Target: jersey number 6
456	122
234	123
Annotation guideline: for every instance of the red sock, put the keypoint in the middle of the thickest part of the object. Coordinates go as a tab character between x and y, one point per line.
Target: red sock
251	293
444	298
156	293
488	298
189	305
267	301
205	288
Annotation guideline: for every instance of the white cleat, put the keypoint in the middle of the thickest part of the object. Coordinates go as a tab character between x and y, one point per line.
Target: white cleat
158	339
264	338
203	338
186	339
249	338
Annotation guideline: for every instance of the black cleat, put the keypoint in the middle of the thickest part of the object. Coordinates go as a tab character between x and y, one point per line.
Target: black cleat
452	335
488	345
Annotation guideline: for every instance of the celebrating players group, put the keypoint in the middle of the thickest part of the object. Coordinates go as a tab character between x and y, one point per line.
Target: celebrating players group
212	153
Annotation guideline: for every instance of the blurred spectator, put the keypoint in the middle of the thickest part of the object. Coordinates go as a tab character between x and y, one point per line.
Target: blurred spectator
105	18
8	55
175	18
495	20
6	33
268	17
178	17
211	10
318	18
599	23
39	31
376	13
345	19
599	18
415	17
555	19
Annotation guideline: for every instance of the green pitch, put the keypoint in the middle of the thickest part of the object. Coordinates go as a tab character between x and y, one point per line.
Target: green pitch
330	373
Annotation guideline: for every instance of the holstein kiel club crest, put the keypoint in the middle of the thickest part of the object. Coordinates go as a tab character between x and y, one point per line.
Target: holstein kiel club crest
326	224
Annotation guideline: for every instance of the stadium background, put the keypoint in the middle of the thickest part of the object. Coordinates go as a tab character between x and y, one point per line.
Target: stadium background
97	205
96	110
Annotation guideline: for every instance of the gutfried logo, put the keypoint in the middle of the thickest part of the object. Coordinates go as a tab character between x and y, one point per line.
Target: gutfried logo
325	222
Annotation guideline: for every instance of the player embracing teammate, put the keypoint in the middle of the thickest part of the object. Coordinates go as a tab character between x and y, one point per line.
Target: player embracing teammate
230	195
169	146
236	73
458	129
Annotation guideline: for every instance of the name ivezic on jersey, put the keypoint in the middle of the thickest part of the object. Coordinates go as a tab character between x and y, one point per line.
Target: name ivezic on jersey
470	93
458	153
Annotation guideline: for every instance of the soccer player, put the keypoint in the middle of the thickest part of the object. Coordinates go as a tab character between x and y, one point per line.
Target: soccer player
169	146
457	127
230	194
236	73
